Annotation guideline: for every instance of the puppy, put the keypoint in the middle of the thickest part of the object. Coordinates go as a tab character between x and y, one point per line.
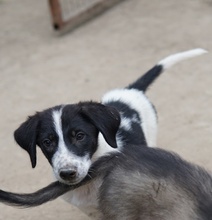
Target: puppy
138	183
73	137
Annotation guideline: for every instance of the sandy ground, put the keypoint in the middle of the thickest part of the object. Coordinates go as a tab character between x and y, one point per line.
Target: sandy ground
38	69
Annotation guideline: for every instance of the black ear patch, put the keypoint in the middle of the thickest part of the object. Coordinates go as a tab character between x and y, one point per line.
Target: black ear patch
106	119
26	136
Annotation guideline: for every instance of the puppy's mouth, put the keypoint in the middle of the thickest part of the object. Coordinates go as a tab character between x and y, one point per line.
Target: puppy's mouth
69	177
71	182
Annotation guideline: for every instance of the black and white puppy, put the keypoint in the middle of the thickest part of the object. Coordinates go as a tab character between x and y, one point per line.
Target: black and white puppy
73	137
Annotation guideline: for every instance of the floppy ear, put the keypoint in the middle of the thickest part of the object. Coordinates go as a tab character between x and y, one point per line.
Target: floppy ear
105	118
26	136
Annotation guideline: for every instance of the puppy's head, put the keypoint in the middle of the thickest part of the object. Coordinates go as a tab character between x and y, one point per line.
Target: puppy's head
68	137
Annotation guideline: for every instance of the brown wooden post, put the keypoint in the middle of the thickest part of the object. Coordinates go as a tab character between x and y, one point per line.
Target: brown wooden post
56	14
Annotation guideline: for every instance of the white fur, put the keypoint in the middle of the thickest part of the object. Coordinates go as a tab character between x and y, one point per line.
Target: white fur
64	158
84	197
126	123
138	101
103	147
175	58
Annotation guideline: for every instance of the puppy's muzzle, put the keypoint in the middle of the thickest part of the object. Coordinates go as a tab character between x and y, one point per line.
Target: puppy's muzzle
68	174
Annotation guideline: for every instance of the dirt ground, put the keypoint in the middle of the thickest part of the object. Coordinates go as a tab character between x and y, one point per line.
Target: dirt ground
39	69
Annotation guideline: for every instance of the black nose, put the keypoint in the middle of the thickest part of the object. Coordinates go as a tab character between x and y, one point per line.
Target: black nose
67	174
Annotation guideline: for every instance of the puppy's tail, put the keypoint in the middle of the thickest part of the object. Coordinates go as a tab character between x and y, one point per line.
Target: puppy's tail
149	77
56	189
49	193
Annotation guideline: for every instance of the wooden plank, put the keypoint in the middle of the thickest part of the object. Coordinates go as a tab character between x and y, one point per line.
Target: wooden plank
63	26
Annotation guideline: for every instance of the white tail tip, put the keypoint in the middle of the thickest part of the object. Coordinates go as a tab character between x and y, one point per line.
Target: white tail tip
175	58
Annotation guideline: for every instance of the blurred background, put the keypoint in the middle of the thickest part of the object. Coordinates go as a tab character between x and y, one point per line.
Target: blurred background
40	68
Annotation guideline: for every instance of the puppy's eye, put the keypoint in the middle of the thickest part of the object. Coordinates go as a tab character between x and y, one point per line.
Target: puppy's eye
80	136
47	142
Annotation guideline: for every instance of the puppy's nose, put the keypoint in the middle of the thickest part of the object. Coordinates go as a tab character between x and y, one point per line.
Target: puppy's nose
67	174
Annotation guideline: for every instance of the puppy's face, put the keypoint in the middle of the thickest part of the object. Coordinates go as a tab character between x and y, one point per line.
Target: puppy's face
68	137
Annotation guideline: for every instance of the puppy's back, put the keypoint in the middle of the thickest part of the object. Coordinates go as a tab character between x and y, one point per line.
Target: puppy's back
154	184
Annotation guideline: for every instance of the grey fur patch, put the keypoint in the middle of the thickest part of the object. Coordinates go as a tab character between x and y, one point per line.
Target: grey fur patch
133	195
